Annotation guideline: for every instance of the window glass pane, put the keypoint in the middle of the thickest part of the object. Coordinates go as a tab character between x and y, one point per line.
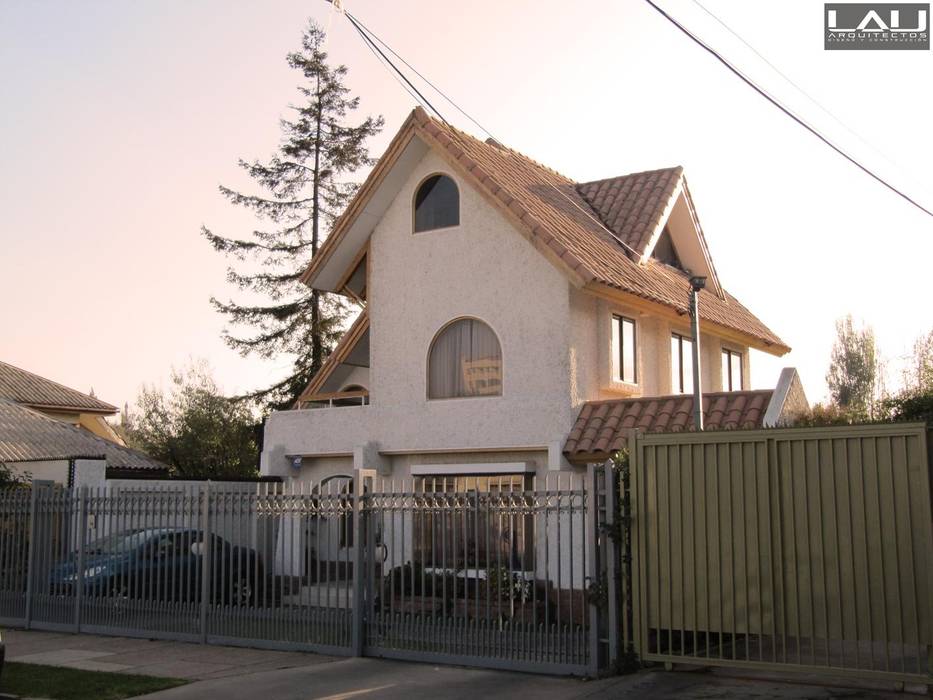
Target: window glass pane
465	360
726	373
736	360
628	350
676	385
437	204
687	361
616	348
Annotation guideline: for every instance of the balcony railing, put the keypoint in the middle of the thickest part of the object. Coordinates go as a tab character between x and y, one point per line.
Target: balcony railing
335	399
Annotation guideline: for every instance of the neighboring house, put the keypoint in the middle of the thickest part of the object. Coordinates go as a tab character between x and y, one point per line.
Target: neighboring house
49	431
57	401
47	449
515	322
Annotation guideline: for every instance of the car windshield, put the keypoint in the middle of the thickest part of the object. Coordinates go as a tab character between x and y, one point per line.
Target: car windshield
119	542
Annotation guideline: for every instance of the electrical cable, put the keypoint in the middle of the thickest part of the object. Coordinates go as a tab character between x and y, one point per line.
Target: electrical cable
748	81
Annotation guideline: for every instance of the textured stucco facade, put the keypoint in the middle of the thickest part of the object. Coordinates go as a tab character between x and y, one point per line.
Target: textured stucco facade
555	339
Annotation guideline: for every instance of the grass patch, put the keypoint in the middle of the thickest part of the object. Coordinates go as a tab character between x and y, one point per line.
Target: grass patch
36	681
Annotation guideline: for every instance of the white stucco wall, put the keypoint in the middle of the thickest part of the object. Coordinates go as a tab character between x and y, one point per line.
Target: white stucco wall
482	268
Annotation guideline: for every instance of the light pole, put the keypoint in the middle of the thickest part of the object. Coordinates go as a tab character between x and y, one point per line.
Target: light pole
696	284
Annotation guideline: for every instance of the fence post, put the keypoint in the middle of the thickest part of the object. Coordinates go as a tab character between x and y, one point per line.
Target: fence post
591	513
82	529
356	603
206	555
613	535
31	552
637	545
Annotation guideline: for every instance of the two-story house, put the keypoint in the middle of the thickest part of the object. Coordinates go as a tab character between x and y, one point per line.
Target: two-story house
514	322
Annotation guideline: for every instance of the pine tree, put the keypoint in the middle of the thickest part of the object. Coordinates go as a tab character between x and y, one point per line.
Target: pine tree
304	192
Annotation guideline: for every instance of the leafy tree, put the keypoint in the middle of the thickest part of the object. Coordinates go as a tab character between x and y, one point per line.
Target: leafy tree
855	373
303	192
918	376
10	478
194	428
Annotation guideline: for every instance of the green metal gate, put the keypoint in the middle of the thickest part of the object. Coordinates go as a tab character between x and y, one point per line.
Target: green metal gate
798	549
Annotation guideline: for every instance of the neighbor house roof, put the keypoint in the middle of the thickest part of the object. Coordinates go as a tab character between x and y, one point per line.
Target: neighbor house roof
27	435
562	219
32	390
602	426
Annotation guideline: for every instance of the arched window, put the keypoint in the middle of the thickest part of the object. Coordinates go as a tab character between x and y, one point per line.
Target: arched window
437	204
465	360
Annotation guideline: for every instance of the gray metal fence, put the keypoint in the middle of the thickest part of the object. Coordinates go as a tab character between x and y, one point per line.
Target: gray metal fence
495	571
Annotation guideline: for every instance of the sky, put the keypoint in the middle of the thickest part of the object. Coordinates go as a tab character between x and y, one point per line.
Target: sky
120	119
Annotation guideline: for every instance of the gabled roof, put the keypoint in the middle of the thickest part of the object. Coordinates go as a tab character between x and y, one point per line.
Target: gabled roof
633	206
602	426
26	435
32	390
550	210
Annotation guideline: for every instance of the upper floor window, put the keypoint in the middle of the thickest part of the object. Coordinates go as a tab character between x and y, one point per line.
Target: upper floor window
465	360
732	379
437	204
681	364
623	350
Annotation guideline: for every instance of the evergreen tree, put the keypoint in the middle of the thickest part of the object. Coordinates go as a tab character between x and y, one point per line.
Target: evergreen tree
855	372
304	192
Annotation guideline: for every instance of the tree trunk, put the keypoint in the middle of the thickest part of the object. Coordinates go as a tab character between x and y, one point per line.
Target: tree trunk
317	341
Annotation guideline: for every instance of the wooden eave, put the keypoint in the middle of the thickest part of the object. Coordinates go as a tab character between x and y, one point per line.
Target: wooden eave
336	358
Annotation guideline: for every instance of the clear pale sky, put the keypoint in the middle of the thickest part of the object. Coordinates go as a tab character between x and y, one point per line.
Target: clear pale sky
120	118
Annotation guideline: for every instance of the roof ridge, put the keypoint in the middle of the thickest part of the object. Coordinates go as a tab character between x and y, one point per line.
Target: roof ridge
103	404
501	147
671	168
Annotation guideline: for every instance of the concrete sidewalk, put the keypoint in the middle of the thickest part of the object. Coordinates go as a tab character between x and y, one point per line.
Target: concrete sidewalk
150	658
234	673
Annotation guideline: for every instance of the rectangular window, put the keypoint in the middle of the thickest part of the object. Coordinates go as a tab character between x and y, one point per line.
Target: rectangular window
623	350
732	371
681	364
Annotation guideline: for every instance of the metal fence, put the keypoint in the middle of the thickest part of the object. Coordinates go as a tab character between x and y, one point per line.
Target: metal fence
805	549
495	571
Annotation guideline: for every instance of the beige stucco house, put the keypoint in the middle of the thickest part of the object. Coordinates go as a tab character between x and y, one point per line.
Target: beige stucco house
514	321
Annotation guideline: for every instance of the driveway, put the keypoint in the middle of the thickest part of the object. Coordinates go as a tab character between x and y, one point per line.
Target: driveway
398	680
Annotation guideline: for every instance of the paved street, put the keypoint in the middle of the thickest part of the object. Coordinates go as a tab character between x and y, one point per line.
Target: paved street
246	674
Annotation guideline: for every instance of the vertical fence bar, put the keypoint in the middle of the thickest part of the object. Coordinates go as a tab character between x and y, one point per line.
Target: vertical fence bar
611	557
82	529
206	554
356	601
31	553
590	510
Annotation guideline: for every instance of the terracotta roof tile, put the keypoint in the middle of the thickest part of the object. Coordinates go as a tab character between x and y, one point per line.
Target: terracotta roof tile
601	426
554	211
632	205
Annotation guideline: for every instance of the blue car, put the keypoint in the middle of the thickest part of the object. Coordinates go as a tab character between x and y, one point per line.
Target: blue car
164	564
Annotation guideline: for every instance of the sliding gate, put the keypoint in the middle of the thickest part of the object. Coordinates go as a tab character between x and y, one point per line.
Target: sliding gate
494	571
806	549
491	571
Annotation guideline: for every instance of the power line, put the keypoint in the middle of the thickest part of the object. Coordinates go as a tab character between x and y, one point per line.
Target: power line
797	87
748	81
421	99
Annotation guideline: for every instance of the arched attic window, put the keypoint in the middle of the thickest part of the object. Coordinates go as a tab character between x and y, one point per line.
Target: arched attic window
465	360
437	204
